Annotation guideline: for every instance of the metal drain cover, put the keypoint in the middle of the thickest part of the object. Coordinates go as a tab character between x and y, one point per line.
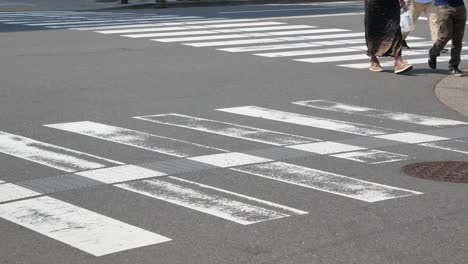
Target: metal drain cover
448	171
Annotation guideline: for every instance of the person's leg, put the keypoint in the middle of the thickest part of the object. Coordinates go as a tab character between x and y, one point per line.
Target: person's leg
415	10
431	12
459	22
445	22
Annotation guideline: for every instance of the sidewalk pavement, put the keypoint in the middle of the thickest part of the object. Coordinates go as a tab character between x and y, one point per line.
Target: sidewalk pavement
23	5
453	91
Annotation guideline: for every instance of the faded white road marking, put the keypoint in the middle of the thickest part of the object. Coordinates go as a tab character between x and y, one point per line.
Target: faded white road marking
10	192
450	145
193	196
326	181
305	120
276	10
226	160
101	24
1	182
306	52
227	129
187	32
120	174
137	139
371	156
233	36
50	155
382	114
273	40
352	57
103	21
197	22
249	27
390	64
412	137
270	47
85	230
326	147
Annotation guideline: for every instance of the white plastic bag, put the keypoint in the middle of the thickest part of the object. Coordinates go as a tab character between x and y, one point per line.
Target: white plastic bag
406	22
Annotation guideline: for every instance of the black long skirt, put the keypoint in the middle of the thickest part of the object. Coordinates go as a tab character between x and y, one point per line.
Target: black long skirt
383	32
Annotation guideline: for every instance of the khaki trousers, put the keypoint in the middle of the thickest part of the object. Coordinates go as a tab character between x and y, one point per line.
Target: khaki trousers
452	22
416	9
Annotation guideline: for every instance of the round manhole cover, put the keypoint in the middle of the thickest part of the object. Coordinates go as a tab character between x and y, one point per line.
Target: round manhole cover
448	171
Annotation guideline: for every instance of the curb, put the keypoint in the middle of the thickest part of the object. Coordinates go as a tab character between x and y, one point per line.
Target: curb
453	92
203	3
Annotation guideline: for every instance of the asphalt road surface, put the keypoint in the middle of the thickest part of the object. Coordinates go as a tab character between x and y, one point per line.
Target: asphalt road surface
234	134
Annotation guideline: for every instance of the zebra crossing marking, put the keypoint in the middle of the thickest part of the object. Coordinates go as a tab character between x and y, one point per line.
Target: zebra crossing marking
160	144
227	129
411	137
255	27
220	33
311	121
325	181
10	192
50	155
371	156
212	204
80	228
119	174
381	114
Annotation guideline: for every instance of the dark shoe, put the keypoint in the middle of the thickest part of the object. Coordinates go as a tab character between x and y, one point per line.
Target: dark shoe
405	45
432	62
455	72
444	51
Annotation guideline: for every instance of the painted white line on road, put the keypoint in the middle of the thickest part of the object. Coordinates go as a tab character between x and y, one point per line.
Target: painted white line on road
276	10
371	156
184	32
270	47
226	160
273	40
104	21
1	182
312	16
11	192
354	57
50	155
228	129
195	197
303	45
449	145
305	120
306	52
85	230
410	61
72	19
335	58
233	36
160	144
255	27
326	181
381	114
326	147
198	22
212	37
411	137
167	20
120	174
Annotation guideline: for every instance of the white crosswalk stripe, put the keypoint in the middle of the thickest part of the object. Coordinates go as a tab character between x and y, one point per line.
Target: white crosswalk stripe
254	36
80	228
377	113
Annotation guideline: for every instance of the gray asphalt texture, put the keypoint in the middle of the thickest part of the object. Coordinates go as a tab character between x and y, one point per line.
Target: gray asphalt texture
56	76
